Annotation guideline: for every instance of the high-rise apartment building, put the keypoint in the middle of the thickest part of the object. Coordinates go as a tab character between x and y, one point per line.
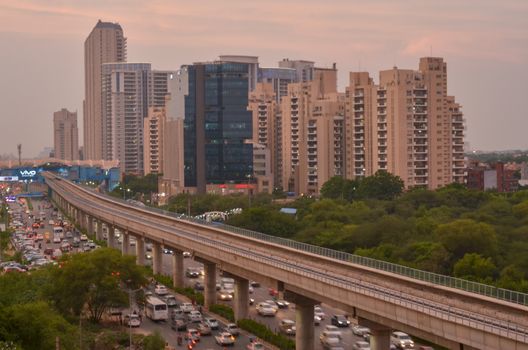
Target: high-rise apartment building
312	132
407	125
128	90
252	64
266	132
304	69
65	135
106	43
217	123
153	140
279	78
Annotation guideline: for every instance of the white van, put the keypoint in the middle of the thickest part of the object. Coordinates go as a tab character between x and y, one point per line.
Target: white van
156	310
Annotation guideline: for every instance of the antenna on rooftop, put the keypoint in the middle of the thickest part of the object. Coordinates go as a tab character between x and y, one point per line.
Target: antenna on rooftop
19	147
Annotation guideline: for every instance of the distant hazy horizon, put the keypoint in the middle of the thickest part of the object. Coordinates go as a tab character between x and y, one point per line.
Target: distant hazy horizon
483	41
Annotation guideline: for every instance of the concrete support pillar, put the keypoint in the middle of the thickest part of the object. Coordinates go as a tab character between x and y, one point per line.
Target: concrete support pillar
379	334
90	225
304	320
125	246
140	251
111	236
209	284
177	269
241	299
81	219
99	231
156	258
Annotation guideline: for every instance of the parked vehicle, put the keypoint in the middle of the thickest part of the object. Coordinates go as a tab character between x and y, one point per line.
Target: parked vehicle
287	327
232	328
132	320
204	329
340	321
265	309
402	340
225	338
187	307
160	289
328	338
194	316
211	322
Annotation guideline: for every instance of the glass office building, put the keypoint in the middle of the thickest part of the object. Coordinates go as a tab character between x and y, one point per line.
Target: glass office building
217	125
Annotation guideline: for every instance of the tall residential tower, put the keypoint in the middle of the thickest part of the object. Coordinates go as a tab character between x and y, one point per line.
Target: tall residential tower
65	135
105	43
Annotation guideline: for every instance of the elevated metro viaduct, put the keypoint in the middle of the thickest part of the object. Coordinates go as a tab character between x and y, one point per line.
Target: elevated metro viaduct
487	319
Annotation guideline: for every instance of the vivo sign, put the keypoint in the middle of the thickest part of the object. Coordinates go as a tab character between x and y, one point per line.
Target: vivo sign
28	173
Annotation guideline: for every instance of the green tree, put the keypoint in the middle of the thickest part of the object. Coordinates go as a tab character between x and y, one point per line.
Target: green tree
153	342
36	326
382	185
266	220
94	281
467	236
339	188
474	267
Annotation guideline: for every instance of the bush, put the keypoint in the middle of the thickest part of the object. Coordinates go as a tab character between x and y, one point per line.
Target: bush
224	311
266	334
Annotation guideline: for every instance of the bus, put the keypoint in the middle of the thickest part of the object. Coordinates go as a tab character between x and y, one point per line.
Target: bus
156	310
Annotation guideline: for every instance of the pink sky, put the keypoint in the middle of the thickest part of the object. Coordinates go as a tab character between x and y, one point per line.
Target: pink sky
485	43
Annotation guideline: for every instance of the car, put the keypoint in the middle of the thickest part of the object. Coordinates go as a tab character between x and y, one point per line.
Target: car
84	238
186	307
340	321
272	303
132	320
171	301
177	313
40	237
225	295
57	239
318	311
361	345
329	338
199	286
402	340
168	251
255	346
273	292
317	320
225	338
204	329
192	272
211	322
195	316
282	304
265	309
148	256
178	324
287	327
232	328
69	234
186	254
192	334
160	289
360	331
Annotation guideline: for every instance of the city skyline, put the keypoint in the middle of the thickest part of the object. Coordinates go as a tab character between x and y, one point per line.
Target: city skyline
482	45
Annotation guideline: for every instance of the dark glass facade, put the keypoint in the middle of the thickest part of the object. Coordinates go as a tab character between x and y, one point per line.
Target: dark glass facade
217	117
